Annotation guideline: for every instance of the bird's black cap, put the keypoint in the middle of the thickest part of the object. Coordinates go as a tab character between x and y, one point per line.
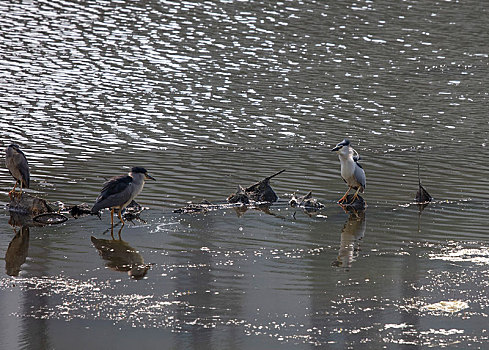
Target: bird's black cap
138	169
345	142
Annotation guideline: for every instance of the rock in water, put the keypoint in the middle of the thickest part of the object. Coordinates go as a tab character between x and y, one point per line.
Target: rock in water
358	204
27	204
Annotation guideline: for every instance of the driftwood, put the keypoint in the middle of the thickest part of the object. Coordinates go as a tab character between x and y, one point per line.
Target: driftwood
28	210
131	212
258	192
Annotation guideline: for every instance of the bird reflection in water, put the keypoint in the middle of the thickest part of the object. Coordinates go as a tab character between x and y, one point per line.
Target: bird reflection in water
17	251
352	233
120	256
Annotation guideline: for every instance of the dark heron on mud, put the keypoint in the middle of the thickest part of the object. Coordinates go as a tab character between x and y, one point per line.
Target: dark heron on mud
18	167
351	171
119	191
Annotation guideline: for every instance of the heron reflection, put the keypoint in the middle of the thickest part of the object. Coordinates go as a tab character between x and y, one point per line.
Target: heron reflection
16	253
120	256
352	233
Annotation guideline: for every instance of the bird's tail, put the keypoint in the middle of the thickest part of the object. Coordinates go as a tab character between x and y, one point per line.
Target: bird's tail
95	210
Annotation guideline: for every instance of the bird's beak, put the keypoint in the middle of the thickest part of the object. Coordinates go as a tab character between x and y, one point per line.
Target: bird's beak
149	177
337	148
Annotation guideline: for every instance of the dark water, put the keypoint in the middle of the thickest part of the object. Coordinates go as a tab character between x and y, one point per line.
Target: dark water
208	95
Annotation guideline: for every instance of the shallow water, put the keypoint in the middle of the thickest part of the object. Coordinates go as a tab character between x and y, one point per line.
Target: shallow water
210	95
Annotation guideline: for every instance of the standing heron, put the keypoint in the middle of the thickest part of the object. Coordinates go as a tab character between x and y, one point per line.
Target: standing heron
18	167
351	171
119	191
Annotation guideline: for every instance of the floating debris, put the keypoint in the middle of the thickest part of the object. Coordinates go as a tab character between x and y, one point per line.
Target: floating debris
132	211
50	218
201	207
79	210
239	197
258	192
257	195
306	202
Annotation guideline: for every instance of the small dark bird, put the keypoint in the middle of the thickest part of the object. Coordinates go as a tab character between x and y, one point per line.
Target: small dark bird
18	167
119	191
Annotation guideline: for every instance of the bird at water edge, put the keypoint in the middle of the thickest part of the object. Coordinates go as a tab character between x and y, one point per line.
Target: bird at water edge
119	191
18	167
351	171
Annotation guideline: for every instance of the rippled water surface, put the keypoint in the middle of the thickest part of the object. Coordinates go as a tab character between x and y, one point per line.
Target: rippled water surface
209	95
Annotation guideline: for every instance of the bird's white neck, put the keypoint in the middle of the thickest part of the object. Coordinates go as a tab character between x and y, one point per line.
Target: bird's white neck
138	180
345	153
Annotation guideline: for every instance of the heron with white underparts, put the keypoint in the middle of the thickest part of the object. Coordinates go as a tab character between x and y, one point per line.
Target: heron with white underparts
18	167
119	191
351	171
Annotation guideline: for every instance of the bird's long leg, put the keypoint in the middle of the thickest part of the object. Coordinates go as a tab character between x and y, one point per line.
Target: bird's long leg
13	189
112	217
342	199
120	217
355	196
20	193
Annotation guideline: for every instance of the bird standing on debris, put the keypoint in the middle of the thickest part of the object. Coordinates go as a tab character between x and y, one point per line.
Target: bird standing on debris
18	167
119	191
351	171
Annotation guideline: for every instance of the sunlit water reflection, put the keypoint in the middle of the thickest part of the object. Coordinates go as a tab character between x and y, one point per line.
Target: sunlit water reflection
209	95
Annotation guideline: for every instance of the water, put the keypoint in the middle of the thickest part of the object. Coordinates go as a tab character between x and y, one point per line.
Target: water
209	95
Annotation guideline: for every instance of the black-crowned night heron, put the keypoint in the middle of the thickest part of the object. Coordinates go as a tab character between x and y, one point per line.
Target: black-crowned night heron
18	167
119	191
351	171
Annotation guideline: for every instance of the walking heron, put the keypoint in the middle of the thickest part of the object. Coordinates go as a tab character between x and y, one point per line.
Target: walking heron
119	191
